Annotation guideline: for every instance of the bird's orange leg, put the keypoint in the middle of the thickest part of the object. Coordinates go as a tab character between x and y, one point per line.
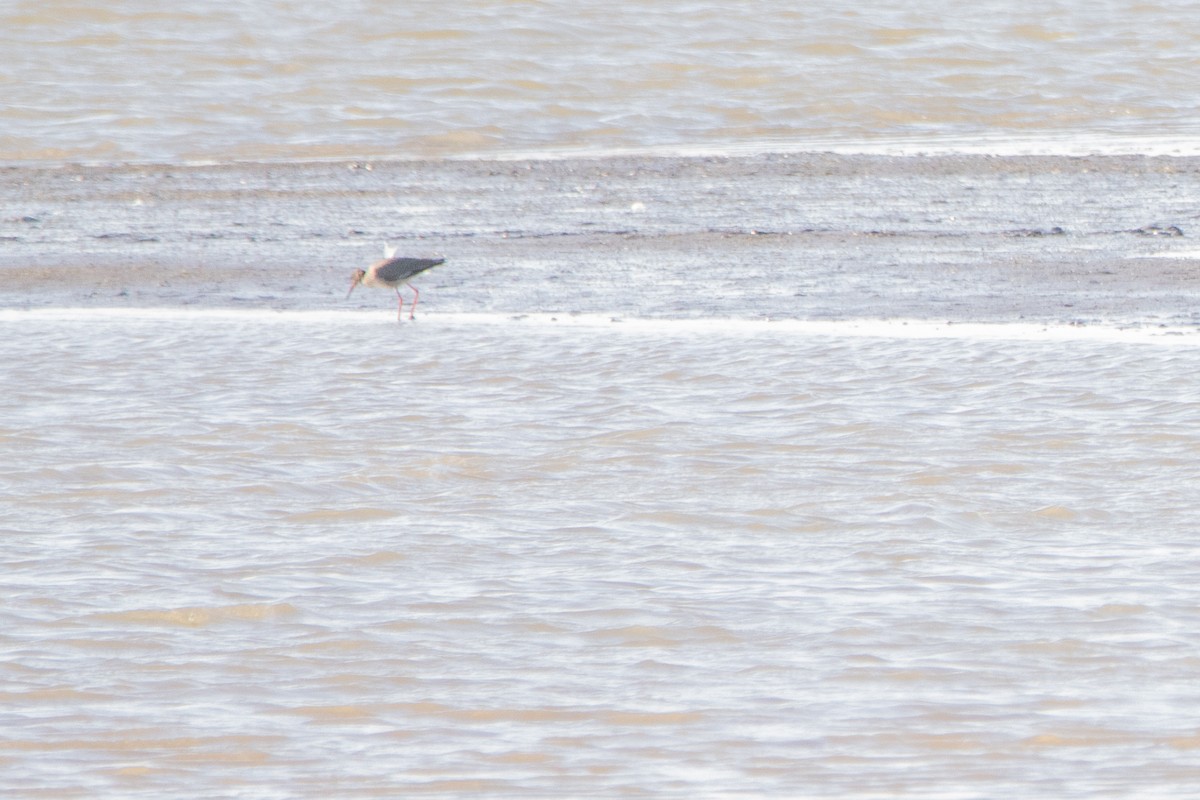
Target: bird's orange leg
412	310
399	305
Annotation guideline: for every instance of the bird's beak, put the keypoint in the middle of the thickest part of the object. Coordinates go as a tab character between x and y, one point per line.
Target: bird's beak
353	283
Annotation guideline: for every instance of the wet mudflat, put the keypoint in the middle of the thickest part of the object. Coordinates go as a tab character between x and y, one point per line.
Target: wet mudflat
817	236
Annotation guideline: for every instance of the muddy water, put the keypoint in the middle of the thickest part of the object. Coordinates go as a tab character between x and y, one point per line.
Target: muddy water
292	554
275	80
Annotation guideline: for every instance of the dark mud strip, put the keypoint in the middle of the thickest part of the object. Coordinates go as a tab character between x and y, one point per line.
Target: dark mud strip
969	238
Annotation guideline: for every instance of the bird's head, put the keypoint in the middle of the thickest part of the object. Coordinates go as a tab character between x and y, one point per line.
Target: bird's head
355	280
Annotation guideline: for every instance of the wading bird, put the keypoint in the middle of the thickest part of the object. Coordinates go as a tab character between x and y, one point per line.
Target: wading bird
390	273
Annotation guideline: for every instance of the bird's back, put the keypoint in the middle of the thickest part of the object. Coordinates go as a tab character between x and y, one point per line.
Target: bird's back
401	269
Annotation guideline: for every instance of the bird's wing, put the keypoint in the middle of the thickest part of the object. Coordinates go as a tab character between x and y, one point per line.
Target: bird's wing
401	269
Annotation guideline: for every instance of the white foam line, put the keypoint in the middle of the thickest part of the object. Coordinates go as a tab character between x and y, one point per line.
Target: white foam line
858	328
871	328
1002	144
261	315
1049	143
1186	255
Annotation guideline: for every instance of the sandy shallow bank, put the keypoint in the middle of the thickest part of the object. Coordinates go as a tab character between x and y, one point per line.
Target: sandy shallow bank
818	236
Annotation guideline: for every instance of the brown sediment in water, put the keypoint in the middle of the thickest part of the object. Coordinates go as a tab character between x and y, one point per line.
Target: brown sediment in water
971	238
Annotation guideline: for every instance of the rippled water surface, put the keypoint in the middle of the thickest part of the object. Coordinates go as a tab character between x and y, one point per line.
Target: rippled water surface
262	554
137	80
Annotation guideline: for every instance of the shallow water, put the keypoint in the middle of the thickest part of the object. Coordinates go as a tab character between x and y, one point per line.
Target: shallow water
269	554
134	80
